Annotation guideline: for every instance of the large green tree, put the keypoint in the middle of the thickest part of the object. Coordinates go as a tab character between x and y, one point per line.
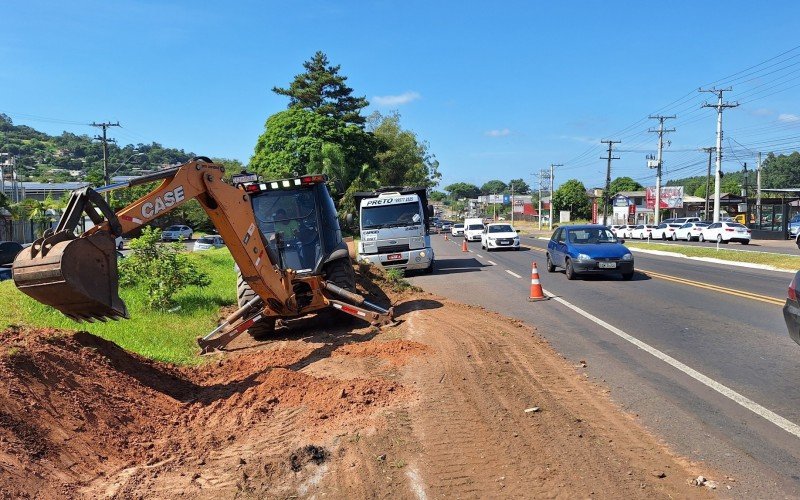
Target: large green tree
460	190
572	196
493	187
780	172
519	185
623	184
290	139
401	158
323	90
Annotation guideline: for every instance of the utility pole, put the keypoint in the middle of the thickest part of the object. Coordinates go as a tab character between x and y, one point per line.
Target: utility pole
552	176
608	176
720	107
512	203
104	138
744	193
659	162
708	175
758	186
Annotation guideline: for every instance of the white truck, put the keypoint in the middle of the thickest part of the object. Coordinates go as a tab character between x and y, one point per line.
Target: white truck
395	228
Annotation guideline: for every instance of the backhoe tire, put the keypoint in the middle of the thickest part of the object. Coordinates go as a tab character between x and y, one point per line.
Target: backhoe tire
340	273
263	328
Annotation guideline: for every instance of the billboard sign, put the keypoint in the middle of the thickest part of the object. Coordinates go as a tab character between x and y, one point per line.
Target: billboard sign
621	201
671	197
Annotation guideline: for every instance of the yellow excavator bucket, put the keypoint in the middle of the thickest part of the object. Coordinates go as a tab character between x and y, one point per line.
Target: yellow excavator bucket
77	276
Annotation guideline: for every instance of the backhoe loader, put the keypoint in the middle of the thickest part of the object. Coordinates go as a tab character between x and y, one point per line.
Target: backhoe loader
283	234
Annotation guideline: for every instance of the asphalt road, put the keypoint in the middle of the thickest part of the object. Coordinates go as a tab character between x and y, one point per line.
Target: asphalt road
720	324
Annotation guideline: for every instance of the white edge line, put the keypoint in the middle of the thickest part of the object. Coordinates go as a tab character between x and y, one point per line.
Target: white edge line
491	262
512	273
756	408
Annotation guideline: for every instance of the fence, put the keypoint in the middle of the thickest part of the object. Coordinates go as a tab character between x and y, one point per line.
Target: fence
21	231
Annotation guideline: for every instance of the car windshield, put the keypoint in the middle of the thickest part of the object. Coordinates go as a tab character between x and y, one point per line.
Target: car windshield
459	226
395	215
501	228
174	228
738	225
475	227
290	215
208	241
591	236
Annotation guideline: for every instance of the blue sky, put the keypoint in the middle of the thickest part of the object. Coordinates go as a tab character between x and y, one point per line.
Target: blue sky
497	89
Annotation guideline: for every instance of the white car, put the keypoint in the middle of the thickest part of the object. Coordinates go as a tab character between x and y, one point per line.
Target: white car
725	232
208	242
689	231
642	231
499	235
473	231
623	231
665	231
174	233
457	230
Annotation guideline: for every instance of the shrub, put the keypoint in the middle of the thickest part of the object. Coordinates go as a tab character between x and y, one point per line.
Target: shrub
162	269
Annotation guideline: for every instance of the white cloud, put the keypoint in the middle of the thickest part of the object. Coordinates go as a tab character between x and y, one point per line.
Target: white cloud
581	138
396	100
498	132
788	118
762	112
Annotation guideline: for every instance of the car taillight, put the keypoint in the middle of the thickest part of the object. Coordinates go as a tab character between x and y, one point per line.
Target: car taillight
793	289
729	229
749	231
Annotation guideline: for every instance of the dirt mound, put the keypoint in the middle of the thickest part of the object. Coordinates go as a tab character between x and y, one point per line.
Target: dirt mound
81	417
397	352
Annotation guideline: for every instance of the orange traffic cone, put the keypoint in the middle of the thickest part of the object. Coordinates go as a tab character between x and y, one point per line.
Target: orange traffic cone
464	246
445	237
537	293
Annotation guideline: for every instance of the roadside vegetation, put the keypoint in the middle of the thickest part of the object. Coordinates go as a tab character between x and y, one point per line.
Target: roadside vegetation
778	261
163	334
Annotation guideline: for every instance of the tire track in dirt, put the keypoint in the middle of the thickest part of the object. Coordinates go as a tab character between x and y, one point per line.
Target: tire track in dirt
478	441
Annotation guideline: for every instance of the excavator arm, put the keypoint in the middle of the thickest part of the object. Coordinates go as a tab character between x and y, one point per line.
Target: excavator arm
78	275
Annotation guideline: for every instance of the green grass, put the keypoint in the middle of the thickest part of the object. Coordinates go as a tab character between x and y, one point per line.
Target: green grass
160	335
779	261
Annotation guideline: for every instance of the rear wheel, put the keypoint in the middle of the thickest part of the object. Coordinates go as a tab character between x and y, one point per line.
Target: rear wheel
570	271
701	238
262	328
745	242
674	237
340	273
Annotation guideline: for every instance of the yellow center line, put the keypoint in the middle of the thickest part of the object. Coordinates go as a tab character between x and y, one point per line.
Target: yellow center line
715	288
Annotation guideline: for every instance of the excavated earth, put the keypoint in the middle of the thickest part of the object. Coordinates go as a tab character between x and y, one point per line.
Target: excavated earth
432	407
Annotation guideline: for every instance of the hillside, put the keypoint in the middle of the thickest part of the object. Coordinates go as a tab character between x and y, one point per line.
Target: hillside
70	157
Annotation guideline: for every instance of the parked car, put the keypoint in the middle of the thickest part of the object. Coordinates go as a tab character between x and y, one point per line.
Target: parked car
499	235
725	232
689	231
447	226
794	226
591	249
624	231
665	231
791	311
208	242
642	231
457	230
174	233
9	251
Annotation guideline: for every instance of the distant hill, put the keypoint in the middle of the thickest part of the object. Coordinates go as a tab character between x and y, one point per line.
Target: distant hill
69	157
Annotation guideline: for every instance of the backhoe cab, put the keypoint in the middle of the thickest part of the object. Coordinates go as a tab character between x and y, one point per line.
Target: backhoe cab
284	236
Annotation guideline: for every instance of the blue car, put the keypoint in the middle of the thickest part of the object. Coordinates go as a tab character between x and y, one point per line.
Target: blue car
588	249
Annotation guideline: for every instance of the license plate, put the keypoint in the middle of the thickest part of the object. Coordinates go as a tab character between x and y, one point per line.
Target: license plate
607	265
394	256
236	179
